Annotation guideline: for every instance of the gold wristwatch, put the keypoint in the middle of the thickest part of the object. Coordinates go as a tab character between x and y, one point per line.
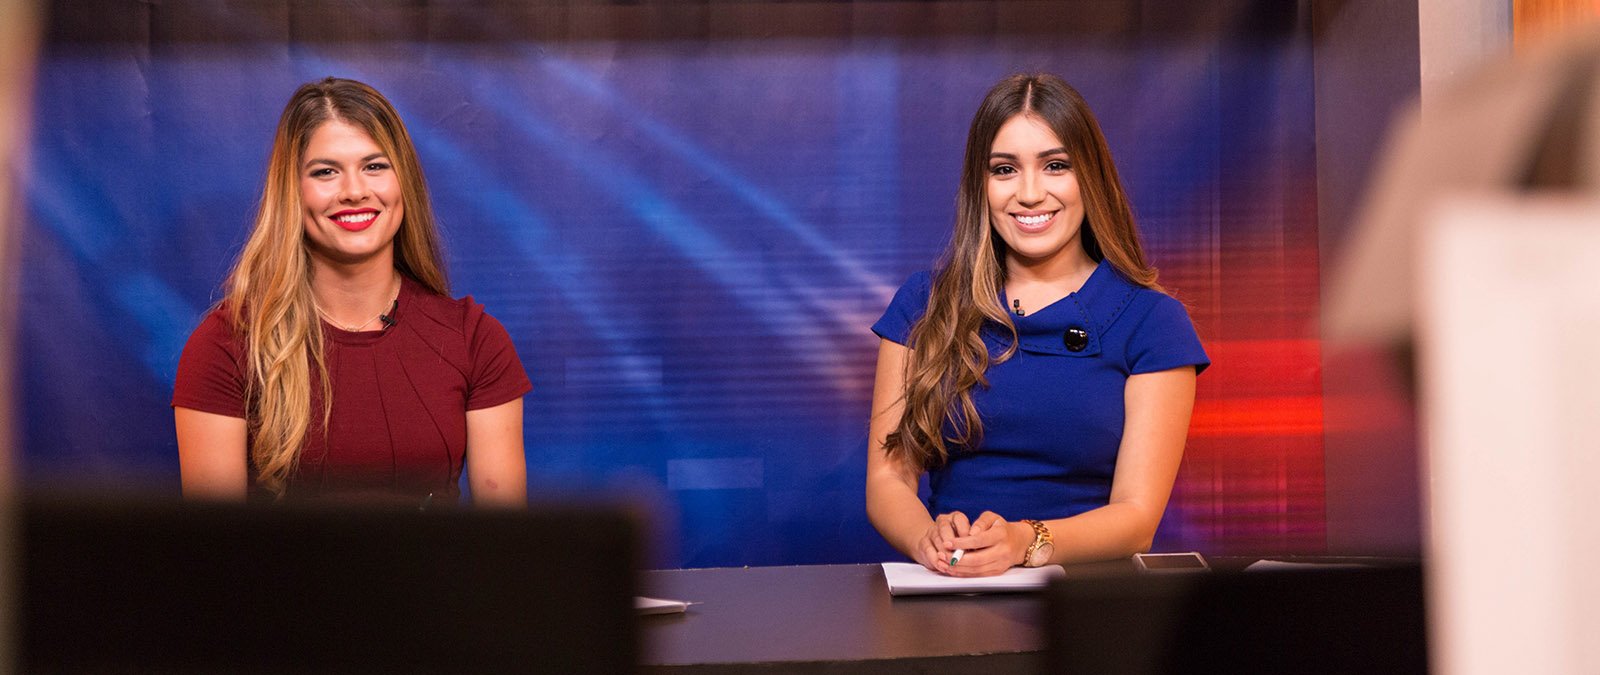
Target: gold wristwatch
1042	548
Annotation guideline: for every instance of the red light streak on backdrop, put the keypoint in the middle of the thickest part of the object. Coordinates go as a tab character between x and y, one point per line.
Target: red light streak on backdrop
1252	480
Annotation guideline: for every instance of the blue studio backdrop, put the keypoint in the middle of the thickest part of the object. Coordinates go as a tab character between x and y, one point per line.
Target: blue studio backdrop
686	216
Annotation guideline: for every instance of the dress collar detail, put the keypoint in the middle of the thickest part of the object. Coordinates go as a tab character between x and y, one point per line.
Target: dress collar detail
1073	325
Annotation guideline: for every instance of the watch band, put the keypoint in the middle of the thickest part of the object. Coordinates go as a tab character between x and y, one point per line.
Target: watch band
1041	538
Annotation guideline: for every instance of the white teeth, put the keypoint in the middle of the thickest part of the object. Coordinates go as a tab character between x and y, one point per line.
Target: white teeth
356	217
1034	220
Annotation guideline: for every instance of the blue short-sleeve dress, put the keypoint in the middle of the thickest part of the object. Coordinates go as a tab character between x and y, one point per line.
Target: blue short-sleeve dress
1053	413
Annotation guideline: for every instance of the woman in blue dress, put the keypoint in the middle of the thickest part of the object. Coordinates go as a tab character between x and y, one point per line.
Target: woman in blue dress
1039	376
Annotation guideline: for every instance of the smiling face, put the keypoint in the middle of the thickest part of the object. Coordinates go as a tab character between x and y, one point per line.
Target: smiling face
352	197
1033	199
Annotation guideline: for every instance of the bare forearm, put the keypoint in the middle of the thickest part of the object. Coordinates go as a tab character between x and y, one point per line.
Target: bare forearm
1110	532
898	515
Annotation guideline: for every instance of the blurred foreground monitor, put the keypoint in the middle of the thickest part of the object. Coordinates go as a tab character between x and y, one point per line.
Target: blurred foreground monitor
1321	620
124	586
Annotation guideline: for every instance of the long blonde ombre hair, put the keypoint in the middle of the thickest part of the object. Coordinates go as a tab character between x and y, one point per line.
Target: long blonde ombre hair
947	354
268	293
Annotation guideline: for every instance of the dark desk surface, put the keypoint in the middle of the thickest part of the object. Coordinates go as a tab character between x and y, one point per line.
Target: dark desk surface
841	619
831	619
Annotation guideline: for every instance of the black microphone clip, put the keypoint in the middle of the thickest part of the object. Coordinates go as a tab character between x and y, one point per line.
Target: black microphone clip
388	322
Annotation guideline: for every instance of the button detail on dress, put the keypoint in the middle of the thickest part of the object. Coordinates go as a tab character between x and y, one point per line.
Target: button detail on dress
1076	339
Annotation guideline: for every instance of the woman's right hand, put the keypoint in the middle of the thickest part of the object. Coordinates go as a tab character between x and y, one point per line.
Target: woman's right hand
933	550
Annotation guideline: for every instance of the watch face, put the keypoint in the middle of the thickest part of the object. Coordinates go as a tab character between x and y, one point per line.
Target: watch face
1041	555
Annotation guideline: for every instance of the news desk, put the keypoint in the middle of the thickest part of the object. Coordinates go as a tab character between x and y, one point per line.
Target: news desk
832	619
841	619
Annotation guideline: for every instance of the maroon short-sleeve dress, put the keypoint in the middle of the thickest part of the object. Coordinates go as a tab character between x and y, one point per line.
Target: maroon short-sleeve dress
398	428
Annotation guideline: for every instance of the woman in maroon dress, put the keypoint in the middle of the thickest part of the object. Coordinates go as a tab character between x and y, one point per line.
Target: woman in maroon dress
337	365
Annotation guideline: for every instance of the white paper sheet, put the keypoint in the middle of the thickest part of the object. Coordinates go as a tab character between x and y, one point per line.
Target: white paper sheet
912	579
1285	565
643	606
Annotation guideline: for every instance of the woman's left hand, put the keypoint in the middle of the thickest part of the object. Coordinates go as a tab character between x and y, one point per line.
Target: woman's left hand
992	546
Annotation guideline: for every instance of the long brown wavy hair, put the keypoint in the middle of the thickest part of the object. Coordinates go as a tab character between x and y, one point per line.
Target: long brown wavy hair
268	293
947	354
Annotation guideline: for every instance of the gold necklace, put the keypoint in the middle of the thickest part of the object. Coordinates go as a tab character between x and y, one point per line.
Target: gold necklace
343	327
392	304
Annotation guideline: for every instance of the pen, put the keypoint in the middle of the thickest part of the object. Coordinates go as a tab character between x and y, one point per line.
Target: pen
956	557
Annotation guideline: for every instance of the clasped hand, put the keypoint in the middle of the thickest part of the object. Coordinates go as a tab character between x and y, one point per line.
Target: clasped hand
990	545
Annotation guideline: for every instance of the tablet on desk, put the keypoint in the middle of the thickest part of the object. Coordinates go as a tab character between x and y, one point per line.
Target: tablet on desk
1188	561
